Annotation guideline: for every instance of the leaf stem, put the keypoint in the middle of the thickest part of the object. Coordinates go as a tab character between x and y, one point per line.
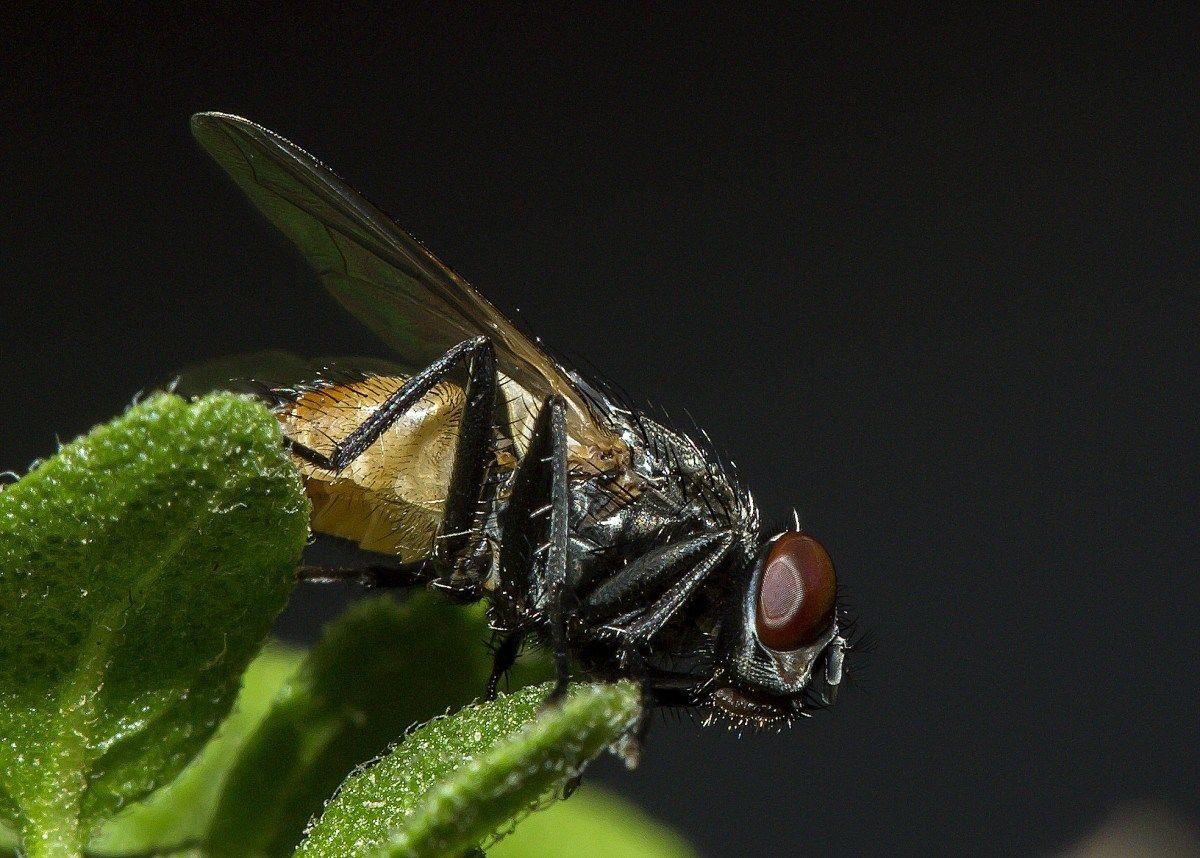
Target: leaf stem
51	828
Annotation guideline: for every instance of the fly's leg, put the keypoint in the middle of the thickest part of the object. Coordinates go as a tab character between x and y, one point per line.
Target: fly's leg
384	577
504	658
473	452
535	530
557	544
392	408
629	746
673	571
472	456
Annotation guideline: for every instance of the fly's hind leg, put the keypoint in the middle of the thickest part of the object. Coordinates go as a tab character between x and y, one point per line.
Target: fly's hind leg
465	495
535	531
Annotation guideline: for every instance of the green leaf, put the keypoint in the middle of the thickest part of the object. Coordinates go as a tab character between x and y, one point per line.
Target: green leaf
378	670
594	823
140	569
457	780
181	811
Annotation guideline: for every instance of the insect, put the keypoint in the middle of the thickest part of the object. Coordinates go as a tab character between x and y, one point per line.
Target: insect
483	468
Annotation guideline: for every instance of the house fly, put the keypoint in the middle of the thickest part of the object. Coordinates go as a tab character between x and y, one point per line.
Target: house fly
482	468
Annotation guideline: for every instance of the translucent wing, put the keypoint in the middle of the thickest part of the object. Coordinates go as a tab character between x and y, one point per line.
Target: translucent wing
376	270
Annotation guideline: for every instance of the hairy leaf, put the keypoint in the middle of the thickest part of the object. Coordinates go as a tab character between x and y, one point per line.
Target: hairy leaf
181	811
378	670
594	823
140	569
454	782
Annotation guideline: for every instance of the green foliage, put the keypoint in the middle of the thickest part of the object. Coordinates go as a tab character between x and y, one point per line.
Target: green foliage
141	568
182	811
594	823
456	780
378	671
128	619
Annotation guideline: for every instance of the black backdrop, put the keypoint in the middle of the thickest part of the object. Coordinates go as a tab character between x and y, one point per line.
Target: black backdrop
931	281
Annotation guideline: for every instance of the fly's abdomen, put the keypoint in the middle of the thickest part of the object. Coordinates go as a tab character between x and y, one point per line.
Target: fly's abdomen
389	499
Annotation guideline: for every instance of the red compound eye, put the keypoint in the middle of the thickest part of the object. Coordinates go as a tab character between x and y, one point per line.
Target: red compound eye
797	595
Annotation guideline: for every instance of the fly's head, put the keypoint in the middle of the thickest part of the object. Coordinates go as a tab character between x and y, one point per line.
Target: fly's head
779	649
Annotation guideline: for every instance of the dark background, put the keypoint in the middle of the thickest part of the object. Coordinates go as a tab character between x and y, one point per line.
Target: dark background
931	281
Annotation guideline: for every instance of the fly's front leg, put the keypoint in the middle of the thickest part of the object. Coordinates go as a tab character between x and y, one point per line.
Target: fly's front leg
639	599
465	498
629	746
535	530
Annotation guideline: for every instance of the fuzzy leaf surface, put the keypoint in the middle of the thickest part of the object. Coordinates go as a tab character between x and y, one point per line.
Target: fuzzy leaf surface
456	781
140	569
378	670
182	811
594	823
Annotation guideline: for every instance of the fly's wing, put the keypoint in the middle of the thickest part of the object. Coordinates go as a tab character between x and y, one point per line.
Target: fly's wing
376	270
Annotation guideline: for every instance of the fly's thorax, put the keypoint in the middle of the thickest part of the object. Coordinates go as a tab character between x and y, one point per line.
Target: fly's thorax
680	487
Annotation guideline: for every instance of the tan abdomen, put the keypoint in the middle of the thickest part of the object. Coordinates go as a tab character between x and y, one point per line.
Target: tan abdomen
390	498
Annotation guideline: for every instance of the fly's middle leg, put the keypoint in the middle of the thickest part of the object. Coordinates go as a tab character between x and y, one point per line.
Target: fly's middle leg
557	557
535	538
